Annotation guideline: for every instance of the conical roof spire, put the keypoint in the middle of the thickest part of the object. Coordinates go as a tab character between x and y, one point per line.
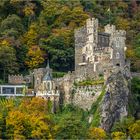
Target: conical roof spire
48	75
48	64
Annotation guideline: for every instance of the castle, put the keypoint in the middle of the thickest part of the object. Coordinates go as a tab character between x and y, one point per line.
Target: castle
96	53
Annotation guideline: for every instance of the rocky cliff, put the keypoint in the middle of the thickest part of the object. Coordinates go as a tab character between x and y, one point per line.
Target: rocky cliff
114	105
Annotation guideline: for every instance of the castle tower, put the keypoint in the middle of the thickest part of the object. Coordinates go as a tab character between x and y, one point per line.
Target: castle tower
117	42
91	39
86	40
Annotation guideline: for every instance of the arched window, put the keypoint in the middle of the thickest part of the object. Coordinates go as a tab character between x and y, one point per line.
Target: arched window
48	86
84	58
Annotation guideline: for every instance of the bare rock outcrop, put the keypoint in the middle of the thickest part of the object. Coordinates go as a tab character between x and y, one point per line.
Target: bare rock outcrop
115	102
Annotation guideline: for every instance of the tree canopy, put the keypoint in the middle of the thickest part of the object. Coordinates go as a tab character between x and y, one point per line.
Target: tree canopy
50	26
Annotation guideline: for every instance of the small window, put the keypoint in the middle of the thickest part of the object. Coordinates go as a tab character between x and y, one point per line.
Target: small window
48	86
96	58
84	58
37	81
117	55
117	43
117	64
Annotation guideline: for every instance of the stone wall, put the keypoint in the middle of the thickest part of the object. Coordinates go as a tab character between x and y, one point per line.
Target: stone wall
80	41
85	96
16	79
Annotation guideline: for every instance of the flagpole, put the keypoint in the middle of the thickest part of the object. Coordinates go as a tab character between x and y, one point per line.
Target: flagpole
109	13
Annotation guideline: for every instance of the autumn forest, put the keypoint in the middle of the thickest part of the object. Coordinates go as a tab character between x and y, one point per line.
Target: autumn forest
35	31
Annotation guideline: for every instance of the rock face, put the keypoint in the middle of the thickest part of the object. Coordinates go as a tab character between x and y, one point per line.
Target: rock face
115	101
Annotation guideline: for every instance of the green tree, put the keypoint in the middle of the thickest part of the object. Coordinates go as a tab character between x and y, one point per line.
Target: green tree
7	59
12	26
123	125
135	87
71	128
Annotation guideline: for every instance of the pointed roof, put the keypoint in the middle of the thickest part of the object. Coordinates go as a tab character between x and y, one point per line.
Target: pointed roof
48	64
48	75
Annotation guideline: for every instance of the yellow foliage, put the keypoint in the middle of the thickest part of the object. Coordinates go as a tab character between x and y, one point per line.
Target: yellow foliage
40	128
5	43
30	37
97	133
30	120
134	130
34	106
118	135
35	57
65	33
14	1
28	10
130	53
123	23
16	124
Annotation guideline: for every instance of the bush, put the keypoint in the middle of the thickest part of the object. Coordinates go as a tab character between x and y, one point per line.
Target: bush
58	74
118	135
97	133
134	130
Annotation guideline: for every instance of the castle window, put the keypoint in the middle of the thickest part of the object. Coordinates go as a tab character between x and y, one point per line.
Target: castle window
117	55
37	81
44	86
96	58
117	43
117	64
84	58
48	86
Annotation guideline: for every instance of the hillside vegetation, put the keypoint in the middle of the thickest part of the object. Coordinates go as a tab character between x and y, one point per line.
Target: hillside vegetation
31	31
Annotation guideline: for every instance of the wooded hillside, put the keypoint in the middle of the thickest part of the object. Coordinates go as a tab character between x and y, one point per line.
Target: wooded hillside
31	31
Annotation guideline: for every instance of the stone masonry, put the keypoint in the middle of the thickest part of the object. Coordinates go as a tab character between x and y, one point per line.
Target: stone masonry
97	51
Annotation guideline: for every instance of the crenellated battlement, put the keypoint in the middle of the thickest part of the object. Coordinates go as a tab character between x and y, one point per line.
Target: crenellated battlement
91	22
111	29
120	33
16	79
